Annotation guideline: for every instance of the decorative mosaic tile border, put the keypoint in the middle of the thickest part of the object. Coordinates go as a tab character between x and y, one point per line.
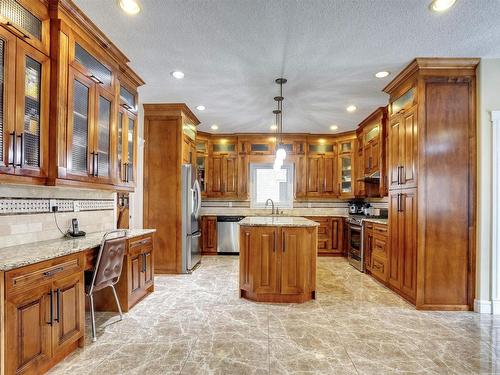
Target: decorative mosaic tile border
18	206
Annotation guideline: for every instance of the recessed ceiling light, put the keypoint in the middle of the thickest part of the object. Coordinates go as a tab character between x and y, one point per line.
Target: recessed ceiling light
382	74
334	127
441	5
130	6
200	107
177	74
273	127
214	127
351	108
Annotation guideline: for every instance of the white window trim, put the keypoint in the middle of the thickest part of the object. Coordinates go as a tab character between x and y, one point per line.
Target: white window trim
290	178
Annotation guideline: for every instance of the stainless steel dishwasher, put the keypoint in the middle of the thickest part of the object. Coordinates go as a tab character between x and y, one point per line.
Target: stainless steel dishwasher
228	234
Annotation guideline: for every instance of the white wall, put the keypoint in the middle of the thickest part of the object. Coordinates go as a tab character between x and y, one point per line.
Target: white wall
488	100
136	198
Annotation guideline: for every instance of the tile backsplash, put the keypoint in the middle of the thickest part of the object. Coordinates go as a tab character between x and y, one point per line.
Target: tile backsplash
25	216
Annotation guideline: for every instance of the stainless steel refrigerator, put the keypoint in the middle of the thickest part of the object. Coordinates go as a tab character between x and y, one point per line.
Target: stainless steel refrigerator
191	227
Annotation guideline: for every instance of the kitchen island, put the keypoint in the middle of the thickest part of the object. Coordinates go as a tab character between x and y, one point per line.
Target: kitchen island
278	259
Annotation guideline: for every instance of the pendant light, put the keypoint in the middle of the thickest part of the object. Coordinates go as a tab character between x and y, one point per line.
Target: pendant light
280	149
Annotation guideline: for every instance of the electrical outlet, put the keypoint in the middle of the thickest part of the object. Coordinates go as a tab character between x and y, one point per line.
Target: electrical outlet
53	205
76	206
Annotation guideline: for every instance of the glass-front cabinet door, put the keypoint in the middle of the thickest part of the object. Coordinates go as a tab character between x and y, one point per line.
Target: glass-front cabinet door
102	134
80	113
346	175
7	101
127	147
32	93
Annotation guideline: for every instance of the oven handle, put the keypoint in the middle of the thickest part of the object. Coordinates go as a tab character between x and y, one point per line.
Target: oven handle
355	227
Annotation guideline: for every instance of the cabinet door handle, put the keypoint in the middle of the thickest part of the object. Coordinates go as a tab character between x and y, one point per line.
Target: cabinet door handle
96	154
275	241
53	271
17	30
96	79
283	241
51	296
403	178
12	150
58	305
144	262
21	148
93	164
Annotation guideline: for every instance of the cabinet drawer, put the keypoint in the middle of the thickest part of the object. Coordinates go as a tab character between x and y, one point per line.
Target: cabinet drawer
379	268
380	229
322	244
140	242
37	274
379	246
368	225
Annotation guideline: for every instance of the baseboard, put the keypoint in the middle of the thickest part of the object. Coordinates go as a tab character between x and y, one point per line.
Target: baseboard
483	306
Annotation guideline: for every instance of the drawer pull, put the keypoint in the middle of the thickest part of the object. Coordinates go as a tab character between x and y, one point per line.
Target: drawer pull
53	271
377	267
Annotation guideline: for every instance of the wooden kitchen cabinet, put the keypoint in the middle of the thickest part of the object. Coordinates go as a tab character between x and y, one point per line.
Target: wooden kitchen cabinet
45	313
375	247
136	280
403	149
321	176
277	264
93	130
201	143
69	321
330	235
223	180
346	168
209	234
25	109
371	169
403	242
431	213
28	338
127	137
163	129
127	149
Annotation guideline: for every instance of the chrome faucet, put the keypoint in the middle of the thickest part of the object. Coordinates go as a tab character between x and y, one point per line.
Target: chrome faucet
272	205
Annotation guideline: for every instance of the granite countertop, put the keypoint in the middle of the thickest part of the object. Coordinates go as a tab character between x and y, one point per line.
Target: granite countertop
376	220
277	221
22	255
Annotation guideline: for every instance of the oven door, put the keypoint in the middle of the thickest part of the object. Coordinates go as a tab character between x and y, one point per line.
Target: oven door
355	253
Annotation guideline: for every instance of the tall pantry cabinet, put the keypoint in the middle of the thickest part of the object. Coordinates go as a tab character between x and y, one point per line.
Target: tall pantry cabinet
431	178
169	130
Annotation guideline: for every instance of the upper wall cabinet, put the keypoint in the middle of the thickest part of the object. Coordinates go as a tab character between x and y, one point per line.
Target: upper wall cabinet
28	20
127	136
372	163
24	105
94	121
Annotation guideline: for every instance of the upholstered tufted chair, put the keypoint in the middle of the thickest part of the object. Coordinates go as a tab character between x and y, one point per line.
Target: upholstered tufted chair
107	270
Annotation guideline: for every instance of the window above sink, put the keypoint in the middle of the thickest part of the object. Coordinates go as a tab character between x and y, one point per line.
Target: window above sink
267	183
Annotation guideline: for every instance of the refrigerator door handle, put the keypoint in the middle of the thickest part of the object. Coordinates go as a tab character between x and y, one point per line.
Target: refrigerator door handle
196	234
197	192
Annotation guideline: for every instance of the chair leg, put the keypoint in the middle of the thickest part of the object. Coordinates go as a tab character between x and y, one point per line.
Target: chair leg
117	302
92	315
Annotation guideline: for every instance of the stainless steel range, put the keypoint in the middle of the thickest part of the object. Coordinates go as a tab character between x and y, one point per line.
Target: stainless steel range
355	238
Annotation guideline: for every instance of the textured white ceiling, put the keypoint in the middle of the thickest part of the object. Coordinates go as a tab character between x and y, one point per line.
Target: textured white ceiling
232	50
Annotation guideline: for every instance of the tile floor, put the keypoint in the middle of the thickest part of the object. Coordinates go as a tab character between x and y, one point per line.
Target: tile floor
196	324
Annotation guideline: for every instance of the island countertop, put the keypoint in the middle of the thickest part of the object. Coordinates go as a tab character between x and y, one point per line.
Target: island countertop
22	255
277	221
